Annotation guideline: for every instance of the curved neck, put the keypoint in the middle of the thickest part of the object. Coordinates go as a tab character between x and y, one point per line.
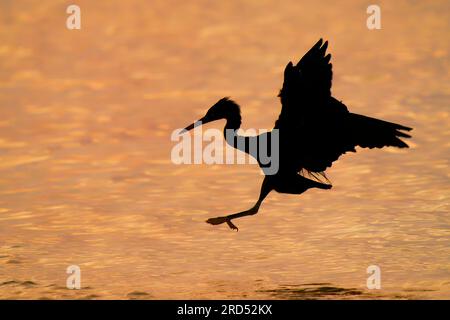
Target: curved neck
231	127
233	120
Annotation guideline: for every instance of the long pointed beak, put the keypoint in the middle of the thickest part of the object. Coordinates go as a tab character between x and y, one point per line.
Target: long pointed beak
195	124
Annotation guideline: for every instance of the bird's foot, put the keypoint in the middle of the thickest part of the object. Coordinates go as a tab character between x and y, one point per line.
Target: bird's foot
324	186
220	220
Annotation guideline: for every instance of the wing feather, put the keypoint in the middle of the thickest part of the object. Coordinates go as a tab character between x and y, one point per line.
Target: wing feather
306	84
316	129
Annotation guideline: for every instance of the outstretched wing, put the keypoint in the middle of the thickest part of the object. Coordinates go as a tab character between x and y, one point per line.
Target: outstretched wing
315	128
306	85
320	145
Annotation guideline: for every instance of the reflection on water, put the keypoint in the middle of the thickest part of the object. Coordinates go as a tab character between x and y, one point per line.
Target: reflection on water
86	179
312	291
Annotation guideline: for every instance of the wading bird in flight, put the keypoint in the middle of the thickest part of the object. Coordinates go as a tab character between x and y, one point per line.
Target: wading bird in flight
314	130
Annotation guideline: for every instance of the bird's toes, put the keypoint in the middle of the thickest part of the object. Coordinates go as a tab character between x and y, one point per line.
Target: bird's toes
220	220
216	221
232	225
324	186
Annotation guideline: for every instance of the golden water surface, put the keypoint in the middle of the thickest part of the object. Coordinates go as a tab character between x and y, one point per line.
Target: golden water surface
86	177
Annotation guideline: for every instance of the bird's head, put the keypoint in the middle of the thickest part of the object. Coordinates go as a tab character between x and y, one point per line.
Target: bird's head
222	109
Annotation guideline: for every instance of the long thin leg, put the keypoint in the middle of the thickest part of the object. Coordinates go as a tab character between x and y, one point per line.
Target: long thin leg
265	190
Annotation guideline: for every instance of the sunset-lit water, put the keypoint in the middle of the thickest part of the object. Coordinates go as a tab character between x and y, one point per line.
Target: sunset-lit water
85	171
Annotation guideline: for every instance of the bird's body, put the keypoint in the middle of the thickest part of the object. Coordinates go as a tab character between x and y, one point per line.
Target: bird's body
314	130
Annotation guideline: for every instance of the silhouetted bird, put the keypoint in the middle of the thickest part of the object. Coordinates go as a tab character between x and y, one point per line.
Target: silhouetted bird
315	129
